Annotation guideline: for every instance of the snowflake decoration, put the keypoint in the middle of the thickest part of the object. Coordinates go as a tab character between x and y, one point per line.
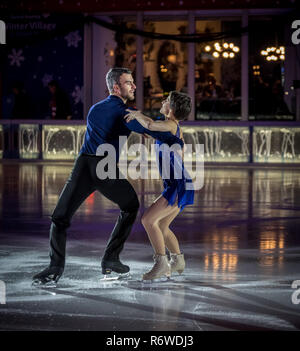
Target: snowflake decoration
47	79
73	38
16	57
77	94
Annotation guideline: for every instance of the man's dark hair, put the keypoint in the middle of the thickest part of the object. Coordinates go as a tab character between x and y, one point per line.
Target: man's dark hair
113	77
181	104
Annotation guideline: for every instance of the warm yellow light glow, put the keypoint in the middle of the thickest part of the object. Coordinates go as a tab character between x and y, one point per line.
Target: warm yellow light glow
273	53
232	262
206	262
222	48
281	241
172	58
215	262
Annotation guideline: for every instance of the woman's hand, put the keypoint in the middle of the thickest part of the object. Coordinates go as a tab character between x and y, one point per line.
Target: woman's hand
131	115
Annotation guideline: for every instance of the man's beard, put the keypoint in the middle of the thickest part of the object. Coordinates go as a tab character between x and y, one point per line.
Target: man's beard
126	95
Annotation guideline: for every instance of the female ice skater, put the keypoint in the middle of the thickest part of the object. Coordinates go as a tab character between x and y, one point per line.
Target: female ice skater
175	196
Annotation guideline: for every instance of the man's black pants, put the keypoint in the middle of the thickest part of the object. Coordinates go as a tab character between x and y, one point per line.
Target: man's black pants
82	182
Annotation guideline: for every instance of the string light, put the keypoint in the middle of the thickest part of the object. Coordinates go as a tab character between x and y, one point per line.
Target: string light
163	68
256	70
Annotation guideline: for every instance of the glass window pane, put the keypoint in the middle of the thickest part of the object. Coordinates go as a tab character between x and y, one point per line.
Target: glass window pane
125	51
269	96
165	64
218	72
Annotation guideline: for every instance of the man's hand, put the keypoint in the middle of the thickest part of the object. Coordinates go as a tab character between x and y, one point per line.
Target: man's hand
131	115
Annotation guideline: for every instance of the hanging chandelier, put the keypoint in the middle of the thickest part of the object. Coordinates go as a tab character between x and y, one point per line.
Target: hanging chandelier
273	53
226	50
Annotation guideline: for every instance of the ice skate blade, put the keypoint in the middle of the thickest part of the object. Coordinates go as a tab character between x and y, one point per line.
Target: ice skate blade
40	284
157	280
177	274
117	276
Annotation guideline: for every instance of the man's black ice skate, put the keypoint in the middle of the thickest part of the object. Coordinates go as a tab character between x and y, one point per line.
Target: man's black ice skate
114	269
48	277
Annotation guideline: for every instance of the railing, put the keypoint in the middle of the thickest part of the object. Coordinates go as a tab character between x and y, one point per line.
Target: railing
224	142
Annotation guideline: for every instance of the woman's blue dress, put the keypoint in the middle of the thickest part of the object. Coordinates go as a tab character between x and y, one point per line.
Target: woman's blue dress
175	189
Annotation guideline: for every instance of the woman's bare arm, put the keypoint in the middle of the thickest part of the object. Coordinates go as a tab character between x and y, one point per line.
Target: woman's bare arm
147	122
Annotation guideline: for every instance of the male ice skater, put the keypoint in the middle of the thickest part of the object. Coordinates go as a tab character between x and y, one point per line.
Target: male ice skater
105	123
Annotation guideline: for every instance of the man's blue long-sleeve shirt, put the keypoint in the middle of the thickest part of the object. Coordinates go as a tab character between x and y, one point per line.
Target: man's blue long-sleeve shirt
105	123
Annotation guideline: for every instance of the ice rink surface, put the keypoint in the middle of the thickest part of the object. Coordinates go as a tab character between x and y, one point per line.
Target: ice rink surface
241	241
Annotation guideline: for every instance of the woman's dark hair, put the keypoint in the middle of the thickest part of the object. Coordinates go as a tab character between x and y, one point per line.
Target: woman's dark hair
181	104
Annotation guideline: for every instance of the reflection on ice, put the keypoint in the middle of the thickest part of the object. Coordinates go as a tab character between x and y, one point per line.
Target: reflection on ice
240	240
272	250
222	258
